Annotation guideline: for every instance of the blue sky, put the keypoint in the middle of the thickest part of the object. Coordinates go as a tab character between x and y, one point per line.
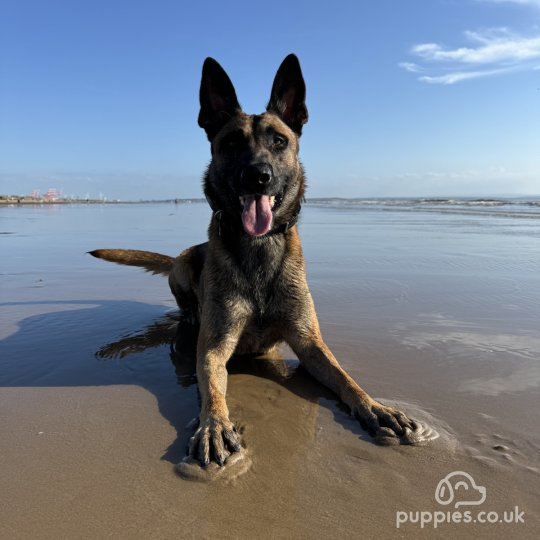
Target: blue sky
416	98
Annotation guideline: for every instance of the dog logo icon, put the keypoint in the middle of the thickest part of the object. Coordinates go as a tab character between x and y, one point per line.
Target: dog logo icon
460	487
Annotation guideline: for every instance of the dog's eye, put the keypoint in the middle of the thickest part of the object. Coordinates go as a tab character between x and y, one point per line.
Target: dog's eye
280	141
232	143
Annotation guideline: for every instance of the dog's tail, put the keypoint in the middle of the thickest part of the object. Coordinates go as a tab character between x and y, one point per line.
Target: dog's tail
151	262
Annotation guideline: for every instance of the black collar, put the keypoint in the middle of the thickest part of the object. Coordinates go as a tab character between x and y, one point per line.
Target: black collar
283	228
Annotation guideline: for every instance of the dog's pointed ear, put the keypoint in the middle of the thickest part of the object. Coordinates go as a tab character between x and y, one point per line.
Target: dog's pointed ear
217	97
288	96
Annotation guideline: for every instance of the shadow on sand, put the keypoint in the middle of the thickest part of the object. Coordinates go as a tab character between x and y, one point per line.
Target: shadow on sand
97	343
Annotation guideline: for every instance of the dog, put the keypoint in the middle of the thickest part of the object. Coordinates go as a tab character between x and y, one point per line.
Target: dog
246	287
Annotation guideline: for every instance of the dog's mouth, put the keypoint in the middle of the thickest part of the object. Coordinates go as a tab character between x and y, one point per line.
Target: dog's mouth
257	213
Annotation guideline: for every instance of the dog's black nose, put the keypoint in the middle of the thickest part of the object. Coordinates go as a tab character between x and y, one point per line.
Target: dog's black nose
259	173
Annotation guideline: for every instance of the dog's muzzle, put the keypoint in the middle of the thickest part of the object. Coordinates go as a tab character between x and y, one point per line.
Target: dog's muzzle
257	177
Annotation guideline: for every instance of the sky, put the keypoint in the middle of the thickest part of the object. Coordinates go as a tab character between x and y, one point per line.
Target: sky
417	98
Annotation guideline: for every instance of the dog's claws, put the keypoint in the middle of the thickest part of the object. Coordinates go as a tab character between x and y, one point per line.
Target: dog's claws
221	459
232	439
385	423
214	440
237	447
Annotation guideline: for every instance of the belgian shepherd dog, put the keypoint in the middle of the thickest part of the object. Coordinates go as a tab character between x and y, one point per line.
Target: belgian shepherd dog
246	287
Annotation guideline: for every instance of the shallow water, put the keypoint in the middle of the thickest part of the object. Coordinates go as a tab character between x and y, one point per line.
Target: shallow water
438	310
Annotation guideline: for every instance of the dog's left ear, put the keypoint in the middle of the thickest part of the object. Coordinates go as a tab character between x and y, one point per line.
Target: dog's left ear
288	96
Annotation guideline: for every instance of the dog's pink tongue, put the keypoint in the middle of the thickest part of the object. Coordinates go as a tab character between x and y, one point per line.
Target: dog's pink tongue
257	214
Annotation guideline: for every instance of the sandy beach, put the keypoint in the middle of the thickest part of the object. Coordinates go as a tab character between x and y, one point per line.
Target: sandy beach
435	308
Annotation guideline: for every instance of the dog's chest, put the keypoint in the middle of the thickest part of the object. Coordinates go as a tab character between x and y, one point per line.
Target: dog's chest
260	276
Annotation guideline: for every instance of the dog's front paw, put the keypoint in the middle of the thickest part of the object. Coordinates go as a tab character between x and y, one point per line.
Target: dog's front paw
214	440
390	426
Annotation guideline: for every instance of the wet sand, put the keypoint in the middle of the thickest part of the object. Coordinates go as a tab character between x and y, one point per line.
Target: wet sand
437	313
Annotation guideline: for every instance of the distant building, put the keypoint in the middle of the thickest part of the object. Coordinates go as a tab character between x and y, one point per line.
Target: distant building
52	194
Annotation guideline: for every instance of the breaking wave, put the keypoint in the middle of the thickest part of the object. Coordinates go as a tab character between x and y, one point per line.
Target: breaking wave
509	207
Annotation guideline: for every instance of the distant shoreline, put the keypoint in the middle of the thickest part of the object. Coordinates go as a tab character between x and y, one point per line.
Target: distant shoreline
13	200
515	202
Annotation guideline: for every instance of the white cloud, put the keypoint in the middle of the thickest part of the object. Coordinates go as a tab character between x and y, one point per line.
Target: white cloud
458	76
492	52
534	3
411	67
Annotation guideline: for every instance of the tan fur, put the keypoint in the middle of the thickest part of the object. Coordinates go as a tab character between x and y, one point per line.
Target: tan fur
151	262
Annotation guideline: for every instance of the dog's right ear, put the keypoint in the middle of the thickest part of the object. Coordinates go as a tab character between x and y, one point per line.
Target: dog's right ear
218	98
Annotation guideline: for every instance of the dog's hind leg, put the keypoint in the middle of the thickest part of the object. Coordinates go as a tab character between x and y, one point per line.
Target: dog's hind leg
184	281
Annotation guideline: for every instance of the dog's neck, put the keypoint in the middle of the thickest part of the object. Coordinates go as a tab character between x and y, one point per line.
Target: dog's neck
230	234
253	254
225	225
